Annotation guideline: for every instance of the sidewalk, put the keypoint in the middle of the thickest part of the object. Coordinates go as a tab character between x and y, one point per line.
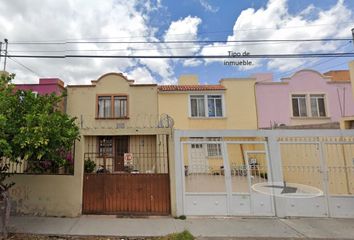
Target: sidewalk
203	228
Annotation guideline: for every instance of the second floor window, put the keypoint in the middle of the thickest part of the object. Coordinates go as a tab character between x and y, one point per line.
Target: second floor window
212	103
197	106
316	103
299	105
112	107
104	107
214	106
120	106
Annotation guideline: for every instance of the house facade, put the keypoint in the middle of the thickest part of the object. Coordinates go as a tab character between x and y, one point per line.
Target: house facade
348	122
127	141
230	104
45	86
129	161
305	98
226	106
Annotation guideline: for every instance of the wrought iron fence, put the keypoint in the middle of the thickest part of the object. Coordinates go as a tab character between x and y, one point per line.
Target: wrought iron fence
133	121
45	167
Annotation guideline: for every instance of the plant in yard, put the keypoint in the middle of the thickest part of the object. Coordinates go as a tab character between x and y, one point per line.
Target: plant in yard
89	166
263	175
32	129
185	235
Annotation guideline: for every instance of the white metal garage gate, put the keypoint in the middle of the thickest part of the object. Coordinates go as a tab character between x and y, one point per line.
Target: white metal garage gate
215	172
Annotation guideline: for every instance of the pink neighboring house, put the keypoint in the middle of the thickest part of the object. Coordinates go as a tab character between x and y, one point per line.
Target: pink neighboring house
45	86
307	97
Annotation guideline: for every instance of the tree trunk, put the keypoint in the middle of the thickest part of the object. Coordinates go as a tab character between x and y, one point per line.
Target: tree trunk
6	214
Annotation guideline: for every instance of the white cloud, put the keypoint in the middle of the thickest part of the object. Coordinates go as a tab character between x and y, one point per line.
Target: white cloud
141	75
276	22
120	20
208	7
192	62
185	29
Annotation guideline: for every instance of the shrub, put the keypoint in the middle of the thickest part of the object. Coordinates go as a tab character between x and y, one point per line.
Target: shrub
263	175
89	166
185	235
181	217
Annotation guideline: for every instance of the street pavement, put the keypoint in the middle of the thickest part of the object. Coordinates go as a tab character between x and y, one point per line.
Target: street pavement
200	227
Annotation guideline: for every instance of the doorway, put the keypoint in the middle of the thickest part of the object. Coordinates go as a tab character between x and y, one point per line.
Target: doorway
121	146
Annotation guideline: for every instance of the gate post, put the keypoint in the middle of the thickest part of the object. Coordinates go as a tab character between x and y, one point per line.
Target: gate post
179	174
79	171
172	172
276	172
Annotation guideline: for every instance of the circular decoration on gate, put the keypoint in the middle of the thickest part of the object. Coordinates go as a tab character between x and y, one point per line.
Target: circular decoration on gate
287	190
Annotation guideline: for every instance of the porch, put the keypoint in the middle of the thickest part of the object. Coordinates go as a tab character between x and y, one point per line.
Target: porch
130	175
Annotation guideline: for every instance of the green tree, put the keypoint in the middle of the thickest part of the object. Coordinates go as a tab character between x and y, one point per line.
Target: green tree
32	129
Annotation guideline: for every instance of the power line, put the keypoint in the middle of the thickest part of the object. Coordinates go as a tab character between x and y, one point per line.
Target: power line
200	33
266	56
313	64
181	41
24	66
147	49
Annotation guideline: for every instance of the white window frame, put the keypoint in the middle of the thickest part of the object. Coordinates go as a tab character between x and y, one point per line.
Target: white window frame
206	146
196	96
214	153
308	105
206	109
318	96
297	97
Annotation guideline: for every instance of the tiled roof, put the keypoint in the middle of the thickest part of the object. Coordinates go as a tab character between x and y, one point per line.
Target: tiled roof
171	88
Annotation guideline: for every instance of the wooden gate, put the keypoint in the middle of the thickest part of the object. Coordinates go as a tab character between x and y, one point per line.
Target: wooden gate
124	193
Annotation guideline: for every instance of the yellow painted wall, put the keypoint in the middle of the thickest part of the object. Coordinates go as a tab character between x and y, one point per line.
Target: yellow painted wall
142	103
235	153
143	120
144	153
241	112
49	195
301	163
339	159
351	70
240	107
188	79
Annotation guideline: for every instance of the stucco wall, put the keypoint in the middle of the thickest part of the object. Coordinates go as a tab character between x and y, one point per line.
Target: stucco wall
240	103
351	70
301	164
142	101
274	99
240	108
49	195
142	112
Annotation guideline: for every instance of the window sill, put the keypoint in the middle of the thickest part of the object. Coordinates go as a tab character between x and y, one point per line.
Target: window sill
310	118
207	118
121	118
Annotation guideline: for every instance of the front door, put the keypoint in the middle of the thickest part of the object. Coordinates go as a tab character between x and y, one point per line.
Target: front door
121	147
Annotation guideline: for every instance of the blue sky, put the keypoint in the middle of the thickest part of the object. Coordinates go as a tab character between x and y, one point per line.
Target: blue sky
218	25
167	20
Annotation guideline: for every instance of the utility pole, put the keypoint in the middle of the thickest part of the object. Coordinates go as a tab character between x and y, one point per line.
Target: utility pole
353	36
0	50
6	43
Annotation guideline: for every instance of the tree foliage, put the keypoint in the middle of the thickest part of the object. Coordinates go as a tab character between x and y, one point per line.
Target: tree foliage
34	129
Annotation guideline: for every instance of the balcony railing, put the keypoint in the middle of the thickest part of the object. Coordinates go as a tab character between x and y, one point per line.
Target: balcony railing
133	121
